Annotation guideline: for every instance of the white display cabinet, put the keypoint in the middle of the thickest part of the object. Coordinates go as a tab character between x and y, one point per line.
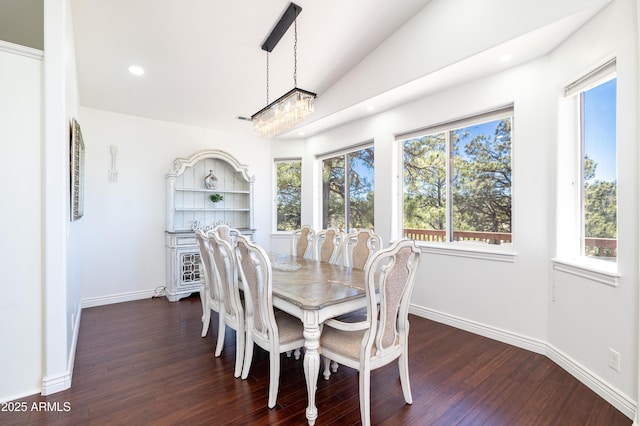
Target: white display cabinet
189	207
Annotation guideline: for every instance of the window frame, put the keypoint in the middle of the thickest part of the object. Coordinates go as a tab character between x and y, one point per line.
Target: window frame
502	253
320	158
570	224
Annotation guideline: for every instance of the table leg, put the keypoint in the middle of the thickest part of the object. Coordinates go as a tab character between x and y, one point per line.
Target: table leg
311	368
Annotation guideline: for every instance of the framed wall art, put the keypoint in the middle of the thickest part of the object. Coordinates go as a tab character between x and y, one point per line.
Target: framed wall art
77	171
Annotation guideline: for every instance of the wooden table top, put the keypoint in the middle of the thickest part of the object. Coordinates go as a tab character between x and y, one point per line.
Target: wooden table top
314	285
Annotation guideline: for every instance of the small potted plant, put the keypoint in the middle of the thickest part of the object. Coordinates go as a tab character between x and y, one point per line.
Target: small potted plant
215	197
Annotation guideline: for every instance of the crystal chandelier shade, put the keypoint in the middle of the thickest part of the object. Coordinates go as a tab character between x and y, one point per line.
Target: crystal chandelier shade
284	113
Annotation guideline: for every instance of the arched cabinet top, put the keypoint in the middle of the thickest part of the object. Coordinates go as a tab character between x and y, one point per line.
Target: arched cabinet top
180	164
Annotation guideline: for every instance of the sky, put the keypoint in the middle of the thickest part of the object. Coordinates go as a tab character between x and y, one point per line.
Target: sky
600	128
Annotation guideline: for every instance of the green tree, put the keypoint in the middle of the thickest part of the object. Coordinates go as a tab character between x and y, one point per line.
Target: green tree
482	180
425	177
288	175
359	195
600	204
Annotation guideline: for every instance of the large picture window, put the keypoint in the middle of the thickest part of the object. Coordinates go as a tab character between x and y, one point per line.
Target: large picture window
457	180
288	194
347	190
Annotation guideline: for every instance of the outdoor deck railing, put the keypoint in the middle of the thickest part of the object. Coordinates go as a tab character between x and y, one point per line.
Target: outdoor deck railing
598	247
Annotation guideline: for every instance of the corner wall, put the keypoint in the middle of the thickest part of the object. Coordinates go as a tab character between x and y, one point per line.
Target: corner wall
126	219
21	234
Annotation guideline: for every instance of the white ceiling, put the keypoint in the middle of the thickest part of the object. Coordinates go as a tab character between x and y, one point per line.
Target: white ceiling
204	66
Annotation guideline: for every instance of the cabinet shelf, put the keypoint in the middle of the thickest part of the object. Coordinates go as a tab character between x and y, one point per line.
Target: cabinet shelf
211	191
201	209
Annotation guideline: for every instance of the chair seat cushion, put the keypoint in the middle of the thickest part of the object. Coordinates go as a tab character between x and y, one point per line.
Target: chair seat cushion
345	343
289	327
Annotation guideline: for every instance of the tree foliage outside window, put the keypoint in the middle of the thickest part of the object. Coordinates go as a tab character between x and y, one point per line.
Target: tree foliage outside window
458	181
288	195
348	192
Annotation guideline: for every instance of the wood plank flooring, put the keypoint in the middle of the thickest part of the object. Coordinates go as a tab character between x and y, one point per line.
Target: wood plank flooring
144	363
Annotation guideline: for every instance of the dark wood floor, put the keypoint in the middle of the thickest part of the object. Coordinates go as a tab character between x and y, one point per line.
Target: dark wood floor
144	362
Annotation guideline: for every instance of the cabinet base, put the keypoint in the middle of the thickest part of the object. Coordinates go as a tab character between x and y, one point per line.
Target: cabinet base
174	297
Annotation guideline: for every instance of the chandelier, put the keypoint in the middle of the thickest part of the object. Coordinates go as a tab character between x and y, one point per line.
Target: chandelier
292	107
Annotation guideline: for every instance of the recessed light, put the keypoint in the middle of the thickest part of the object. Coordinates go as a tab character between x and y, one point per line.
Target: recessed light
505	58
136	70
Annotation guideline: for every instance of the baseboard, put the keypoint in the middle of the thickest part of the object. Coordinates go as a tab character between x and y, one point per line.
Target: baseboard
60	382
117	298
19	396
524	342
610	394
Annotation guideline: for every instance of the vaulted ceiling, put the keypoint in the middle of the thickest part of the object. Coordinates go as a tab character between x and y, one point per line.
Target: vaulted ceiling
204	66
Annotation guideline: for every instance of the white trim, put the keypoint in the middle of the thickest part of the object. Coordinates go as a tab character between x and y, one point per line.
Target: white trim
468	250
493	114
514	339
62	382
345	150
18	49
589	270
598	75
19	395
118	298
594	382
56	383
610	394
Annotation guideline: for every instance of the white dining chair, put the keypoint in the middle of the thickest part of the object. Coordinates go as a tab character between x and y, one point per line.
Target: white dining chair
301	240
275	332
358	247
231	313
227	233
383	336
326	245
210	293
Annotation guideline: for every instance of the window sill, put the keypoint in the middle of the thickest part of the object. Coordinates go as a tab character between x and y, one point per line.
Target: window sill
599	271
470	250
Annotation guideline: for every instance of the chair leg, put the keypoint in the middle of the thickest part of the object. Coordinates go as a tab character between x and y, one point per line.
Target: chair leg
239	350
274	377
403	364
248	356
206	319
203	297
365	388
327	371
334	366
222	327
296	354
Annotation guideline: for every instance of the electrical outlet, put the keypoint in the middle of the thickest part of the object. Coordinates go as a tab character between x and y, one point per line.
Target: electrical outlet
614	359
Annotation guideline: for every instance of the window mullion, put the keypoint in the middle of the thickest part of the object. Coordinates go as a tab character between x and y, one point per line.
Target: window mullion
449	186
347	193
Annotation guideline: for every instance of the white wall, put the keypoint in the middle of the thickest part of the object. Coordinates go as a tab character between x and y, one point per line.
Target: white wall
21	218
587	317
505	295
123	254
61	303
512	301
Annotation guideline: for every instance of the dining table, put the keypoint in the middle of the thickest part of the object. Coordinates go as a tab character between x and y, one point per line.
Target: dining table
314	292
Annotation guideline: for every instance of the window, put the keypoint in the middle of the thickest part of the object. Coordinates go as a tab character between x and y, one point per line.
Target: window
595	98
347	190
457	180
288	193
